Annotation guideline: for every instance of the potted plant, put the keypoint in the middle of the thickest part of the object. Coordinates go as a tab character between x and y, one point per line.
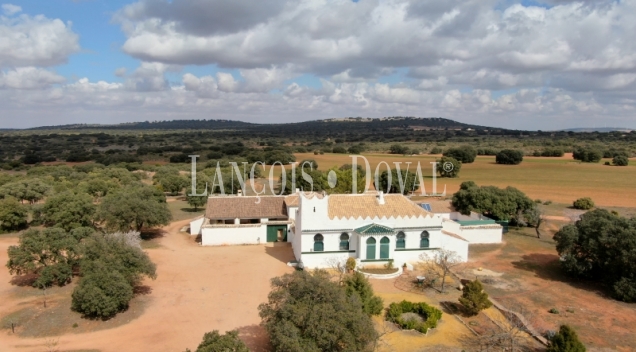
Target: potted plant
404	268
350	264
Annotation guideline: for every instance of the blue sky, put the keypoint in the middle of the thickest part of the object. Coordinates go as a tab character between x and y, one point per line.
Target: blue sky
528	64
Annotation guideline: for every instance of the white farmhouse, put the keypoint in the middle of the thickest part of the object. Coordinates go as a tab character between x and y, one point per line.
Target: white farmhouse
373	227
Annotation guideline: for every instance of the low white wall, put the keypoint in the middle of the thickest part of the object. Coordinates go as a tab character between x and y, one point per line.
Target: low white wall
242	234
195	226
481	234
317	260
455	244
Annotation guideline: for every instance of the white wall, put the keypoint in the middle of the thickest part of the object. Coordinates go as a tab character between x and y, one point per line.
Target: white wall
195	225
242	234
324	260
482	234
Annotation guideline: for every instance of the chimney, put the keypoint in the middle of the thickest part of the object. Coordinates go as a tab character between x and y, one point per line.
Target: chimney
380	197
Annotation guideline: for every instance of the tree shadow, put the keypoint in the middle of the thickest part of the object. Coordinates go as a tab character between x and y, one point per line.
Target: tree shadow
24	280
284	254
151	234
142	290
255	337
548	267
191	210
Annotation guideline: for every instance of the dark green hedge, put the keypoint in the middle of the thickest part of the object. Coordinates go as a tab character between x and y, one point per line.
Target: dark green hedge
430	314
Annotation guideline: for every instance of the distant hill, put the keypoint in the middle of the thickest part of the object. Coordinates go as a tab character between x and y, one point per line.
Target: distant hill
336	124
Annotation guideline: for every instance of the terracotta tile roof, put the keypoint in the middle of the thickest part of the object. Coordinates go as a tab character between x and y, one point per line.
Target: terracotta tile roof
367	206
454	235
292	200
374	229
232	207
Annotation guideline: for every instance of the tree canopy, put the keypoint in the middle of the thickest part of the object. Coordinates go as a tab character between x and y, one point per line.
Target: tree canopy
466	154
500	204
134	207
215	342
565	340
69	210
509	157
601	246
358	284
306	312
13	215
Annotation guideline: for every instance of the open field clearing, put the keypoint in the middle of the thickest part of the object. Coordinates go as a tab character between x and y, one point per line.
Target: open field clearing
197	290
560	180
527	274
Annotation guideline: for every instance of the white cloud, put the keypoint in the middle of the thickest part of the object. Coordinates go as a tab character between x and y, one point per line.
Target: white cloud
10	9
28	78
35	41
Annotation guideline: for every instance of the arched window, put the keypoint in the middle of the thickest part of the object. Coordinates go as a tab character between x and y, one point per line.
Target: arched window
371	248
401	240
384	248
319	246
424	239
344	241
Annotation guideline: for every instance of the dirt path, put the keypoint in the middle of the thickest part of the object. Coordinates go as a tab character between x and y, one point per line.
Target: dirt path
198	289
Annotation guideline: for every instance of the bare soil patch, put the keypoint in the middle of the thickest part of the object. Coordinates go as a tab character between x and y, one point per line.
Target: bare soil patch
532	280
198	289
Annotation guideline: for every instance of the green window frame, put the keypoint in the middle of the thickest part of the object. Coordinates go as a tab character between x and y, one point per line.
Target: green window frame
424	239
319	245
371	248
400	242
344	241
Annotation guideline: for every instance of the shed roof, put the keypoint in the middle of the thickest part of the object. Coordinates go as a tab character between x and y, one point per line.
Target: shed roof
235	207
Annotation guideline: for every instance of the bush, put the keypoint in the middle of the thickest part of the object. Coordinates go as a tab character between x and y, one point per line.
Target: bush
587	155
357	284
215	342
436	150
509	157
339	150
620	160
552	152
473	298
443	167
350	264
465	154
398	149
101	293
553	311
431	316
585	203
566	340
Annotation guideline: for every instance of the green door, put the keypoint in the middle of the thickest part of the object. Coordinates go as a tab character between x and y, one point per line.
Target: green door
271	234
370	248
384	248
277	233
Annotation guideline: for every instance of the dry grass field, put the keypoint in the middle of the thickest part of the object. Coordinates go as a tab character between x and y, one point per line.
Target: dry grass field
561	180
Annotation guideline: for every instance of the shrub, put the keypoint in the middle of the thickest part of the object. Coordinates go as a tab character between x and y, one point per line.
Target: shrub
553	311
587	155
430	315
398	149
350	264
473	298
447	171
566	340
552	152
436	150
509	157
585	203
357	284
466	154
215	342
101	293
620	160
339	150
547	202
